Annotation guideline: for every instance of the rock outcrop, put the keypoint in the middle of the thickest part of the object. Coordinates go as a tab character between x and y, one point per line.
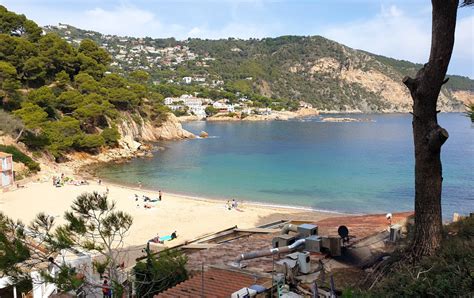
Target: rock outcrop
135	130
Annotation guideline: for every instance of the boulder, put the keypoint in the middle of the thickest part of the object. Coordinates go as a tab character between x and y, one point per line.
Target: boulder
203	134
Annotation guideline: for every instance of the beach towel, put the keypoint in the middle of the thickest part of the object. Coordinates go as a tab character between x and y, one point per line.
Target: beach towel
166	238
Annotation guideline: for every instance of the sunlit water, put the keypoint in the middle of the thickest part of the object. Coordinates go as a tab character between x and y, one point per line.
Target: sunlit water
357	167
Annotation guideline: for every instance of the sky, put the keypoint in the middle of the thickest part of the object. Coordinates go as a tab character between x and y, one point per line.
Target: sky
399	29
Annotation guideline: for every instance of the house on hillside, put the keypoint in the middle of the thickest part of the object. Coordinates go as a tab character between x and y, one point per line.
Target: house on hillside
7	178
264	111
305	105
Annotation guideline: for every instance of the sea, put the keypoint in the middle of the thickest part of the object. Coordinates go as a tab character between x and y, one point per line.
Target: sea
349	167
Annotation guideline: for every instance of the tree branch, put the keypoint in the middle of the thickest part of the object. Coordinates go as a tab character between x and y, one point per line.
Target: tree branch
410	83
436	138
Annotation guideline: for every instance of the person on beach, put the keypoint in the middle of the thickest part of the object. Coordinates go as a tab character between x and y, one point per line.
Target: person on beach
228	205
99	181
234	204
106	290
159	195
139	184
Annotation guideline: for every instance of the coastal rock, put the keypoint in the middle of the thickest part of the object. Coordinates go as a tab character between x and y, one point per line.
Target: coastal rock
138	129
203	134
189	118
223	117
171	129
344	119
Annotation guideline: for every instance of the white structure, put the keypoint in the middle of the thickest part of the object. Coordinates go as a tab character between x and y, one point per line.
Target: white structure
247	111
7	178
194	104
79	260
264	111
187	80
306	105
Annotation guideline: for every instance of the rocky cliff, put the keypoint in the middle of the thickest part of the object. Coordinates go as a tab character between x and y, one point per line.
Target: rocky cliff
134	130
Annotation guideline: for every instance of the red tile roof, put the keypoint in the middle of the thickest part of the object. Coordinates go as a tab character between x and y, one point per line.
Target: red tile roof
3	154
360	226
217	283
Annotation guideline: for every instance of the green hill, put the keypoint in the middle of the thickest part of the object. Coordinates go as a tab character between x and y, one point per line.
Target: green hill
310	68
62	94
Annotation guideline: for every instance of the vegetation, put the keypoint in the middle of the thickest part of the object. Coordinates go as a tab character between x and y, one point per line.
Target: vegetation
92	224
274	69
448	273
19	156
159	273
60	96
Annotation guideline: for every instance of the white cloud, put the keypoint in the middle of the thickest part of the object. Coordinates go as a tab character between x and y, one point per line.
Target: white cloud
390	33
395	34
126	20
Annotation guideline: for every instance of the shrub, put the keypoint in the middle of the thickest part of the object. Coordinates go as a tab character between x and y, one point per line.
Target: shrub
210	110
446	274
19	156
111	136
91	141
158	274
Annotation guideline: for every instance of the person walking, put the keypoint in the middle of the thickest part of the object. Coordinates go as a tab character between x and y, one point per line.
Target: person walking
160	194
106	290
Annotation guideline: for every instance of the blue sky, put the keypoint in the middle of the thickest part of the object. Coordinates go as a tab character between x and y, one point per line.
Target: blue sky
399	29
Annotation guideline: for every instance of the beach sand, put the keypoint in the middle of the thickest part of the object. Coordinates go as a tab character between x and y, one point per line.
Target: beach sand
190	217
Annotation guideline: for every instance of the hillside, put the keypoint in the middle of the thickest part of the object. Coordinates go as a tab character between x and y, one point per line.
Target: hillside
327	74
57	99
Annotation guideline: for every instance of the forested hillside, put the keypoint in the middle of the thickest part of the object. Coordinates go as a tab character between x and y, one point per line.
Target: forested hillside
57	98
311	68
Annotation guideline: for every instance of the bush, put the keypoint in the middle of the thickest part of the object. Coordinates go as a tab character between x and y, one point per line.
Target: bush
111	136
91	141
210	111
19	156
446	274
158	274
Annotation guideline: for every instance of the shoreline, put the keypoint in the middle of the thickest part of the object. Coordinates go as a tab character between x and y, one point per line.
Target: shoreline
194	197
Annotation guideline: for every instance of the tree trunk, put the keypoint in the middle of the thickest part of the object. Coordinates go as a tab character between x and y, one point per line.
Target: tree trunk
427	134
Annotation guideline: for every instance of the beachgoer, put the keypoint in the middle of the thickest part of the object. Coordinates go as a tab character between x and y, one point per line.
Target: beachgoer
389	218
173	235
234	203
159	195
228	205
139	184
100	182
106	291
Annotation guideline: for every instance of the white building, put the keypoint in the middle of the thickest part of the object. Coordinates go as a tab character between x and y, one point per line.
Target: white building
187	80
264	111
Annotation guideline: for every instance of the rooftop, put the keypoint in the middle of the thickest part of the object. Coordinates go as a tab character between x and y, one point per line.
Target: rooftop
3	154
360	227
216	282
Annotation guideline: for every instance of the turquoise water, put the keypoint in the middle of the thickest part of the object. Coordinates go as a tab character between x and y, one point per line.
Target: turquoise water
349	167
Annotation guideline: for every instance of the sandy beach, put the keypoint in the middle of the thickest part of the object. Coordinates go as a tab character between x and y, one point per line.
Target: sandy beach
190	217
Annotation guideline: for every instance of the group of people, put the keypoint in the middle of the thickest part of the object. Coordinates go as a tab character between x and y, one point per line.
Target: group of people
231	205
147	200
59	181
